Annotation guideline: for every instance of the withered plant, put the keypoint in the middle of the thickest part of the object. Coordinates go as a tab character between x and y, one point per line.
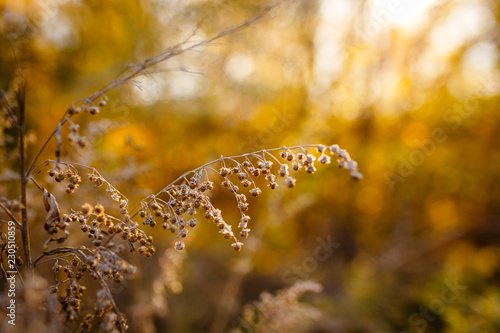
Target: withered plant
178	207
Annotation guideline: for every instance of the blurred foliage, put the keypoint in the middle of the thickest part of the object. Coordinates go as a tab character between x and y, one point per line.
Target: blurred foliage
412	95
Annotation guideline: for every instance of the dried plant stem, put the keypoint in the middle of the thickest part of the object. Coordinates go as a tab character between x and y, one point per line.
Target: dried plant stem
32	165
58	250
21	98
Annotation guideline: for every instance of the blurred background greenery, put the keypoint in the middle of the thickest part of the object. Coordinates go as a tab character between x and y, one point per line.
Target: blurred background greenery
409	88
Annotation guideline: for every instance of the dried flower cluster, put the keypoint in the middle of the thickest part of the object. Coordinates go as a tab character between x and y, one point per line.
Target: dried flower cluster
178	206
70	174
101	264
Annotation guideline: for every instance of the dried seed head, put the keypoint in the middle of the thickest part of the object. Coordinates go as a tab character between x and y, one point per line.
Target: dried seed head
94	110
82	142
334	149
192	223
98	209
179	246
74	128
256	191
356	175
324	159
290	181
75	179
237	246
352	165
309	159
225	171
244	232
270	177
284	170
272	185
343	154
98	181
102	103
86	209
311	169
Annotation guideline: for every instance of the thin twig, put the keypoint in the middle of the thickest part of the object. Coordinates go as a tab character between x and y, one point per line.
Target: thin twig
132	71
11	215
58	250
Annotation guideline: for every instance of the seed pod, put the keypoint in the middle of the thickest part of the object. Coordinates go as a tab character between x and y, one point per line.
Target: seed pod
256	191
284	170
311	169
290	181
237	246
272	185
179	246
324	159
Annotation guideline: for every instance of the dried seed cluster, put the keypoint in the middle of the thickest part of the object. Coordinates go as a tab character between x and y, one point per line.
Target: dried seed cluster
97	225
184	202
179	205
91	108
178	208
70	174
74	136
99	264
69	275
344	160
